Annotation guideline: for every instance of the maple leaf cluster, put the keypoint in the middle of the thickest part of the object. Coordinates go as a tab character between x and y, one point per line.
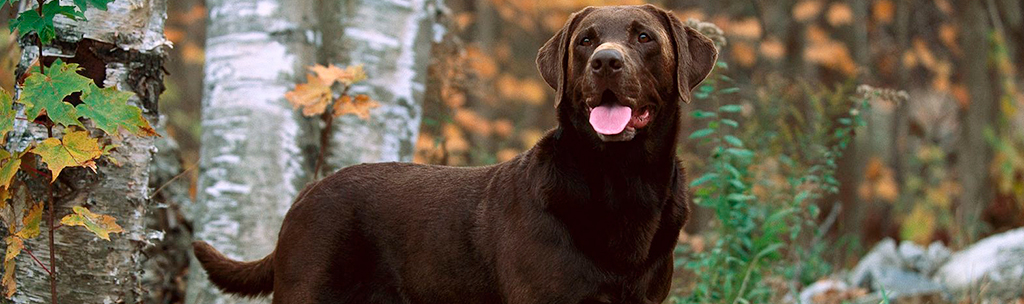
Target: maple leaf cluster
314	96
43	95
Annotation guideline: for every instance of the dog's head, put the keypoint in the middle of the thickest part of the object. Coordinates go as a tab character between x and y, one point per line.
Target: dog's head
620	69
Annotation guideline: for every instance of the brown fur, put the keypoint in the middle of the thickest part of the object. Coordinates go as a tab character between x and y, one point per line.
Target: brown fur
576	219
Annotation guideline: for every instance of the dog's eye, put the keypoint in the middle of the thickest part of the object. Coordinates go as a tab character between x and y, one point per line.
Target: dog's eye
586	41
644	38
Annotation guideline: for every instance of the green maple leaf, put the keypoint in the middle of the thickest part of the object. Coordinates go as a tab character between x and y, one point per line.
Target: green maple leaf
76	149
31	20
3	2
99	224
99	4
7	113
46	92
108	108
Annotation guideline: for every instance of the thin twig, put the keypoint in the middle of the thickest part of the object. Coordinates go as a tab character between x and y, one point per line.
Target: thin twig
53	256
151	195
38	261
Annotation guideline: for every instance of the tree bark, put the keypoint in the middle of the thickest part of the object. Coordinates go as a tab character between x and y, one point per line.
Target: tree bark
975	155
251	162
392	39
122	47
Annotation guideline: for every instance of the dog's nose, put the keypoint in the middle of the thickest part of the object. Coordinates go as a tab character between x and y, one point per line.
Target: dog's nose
606	62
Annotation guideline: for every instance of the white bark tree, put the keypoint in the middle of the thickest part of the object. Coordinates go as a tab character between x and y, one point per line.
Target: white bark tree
251	164
123	46
258	152
392	40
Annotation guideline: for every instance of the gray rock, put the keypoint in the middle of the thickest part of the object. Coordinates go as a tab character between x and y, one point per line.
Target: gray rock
821	287
921	260
936	256
902	285
883	256
992	267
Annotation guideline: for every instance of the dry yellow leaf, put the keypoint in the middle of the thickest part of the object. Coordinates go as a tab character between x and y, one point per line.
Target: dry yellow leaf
360	106
100	224
331	73
311	96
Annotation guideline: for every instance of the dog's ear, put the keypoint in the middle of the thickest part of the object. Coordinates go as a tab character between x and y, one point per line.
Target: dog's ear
553	57
695	54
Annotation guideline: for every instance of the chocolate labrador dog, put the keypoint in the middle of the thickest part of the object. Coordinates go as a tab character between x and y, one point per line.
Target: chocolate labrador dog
589	215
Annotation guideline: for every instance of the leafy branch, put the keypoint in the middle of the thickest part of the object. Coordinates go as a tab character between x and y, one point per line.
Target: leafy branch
44	100
316	97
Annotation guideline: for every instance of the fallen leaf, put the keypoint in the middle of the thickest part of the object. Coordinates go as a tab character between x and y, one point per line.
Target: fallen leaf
100	224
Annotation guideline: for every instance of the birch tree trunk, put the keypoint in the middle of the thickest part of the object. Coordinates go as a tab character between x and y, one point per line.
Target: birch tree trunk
251	162
122	47
392	40
257	151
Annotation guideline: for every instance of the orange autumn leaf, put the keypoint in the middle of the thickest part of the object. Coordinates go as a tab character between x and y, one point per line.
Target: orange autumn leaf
806	10
311	96
745	28
883	11
360	106
744	54
772	48
331	73
839	14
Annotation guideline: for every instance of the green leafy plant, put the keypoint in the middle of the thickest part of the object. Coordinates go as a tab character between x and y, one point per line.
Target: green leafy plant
70	142
773	233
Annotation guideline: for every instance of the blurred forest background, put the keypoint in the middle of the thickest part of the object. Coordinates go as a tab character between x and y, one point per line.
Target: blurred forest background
945	162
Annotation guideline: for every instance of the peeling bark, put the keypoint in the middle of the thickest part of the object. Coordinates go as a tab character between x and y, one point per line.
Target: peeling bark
251	164
124	48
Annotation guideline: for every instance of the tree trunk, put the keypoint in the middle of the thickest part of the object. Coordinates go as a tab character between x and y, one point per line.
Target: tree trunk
392	39
122	47
251	162
975	154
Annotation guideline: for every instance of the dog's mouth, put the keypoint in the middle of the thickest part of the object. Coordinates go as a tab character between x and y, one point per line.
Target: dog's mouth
614	121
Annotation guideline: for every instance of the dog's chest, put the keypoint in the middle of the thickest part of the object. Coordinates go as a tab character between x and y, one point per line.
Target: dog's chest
614	222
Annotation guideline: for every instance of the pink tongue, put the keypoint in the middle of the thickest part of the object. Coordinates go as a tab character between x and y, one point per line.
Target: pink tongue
610	119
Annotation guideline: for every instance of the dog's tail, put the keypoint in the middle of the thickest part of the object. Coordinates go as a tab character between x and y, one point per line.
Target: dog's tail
248	279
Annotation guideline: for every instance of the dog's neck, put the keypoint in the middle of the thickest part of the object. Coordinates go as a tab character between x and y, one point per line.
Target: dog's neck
610	196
